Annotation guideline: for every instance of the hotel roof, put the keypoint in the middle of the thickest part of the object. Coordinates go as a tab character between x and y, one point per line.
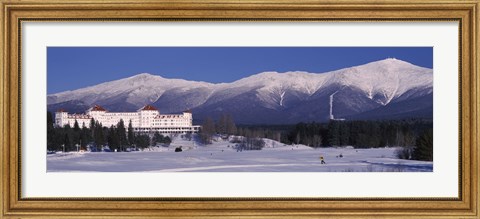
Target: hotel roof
97	108
149	107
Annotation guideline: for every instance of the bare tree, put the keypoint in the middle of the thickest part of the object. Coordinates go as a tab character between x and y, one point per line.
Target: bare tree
297	138
207	131
231	128
317	141
221	126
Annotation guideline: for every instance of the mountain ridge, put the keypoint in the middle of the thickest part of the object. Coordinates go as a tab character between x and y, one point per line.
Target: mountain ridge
361	88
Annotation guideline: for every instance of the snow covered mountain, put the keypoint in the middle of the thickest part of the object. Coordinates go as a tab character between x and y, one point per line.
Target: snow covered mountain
384	89
128	93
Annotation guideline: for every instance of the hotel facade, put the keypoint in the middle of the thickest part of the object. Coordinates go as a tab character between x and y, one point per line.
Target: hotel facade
146	119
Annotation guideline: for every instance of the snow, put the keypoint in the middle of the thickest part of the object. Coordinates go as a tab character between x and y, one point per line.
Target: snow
331	104
282	96
389	78
139	89
222	157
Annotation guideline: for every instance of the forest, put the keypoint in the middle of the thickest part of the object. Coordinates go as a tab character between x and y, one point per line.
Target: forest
118	138
413	136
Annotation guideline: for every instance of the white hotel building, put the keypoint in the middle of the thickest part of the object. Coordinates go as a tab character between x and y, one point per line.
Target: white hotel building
146	119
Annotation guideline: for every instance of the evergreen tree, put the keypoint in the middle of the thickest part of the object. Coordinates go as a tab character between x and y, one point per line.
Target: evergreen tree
51	135
105	131
76	134
360	134
344	134
85	137
424	146
68	138
167	140
76	127
334	133
142	141
157	138
99	136
130	134
92	129
66	142
113	139
92	124
56	139
121	135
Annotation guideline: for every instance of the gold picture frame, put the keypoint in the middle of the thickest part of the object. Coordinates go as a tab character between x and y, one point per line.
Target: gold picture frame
15	12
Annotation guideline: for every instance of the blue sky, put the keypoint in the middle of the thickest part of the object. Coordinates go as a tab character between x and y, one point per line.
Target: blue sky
70	68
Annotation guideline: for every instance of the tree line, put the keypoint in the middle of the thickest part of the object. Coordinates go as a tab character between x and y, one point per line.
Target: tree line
225	125
360	134
414	136
117	138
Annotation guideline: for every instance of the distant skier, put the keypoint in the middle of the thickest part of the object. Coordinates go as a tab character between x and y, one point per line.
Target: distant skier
322	160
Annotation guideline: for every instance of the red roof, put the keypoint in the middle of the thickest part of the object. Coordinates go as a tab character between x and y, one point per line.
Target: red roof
187	111
149	107
97	108
61	110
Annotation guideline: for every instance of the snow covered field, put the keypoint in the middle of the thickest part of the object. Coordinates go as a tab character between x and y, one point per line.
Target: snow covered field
221	157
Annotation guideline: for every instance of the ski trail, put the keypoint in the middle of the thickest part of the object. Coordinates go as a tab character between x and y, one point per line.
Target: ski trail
331	105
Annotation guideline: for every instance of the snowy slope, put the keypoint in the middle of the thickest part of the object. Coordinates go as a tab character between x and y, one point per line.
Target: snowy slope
138	90
388	78
383	80
222	157
361	89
